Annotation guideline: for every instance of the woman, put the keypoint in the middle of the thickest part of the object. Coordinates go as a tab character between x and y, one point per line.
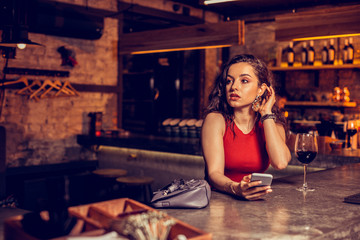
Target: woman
242	132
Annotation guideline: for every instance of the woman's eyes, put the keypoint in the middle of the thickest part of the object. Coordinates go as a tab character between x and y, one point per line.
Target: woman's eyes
228	81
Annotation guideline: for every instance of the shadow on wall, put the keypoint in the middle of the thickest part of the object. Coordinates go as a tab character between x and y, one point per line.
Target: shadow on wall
17	146
2	162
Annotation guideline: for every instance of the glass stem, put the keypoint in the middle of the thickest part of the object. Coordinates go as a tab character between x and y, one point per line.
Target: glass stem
305	183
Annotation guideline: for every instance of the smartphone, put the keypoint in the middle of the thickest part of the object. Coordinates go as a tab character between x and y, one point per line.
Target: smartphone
265	178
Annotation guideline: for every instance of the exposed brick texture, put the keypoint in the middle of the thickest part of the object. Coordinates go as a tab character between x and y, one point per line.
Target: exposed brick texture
44	131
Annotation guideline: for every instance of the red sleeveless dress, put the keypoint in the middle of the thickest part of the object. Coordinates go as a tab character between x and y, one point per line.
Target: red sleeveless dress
246	153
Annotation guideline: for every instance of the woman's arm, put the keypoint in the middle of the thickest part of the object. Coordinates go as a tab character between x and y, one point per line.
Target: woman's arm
212	133
276	147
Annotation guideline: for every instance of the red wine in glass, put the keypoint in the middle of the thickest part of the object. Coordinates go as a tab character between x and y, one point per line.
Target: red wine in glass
351	131
306	149
306	157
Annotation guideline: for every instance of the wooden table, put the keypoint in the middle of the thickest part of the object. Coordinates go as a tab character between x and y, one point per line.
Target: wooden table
285	213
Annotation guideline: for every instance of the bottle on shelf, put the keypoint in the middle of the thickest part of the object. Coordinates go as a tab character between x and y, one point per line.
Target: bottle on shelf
304	54
331	52
290	54
324	54
311	53
345	51
350	51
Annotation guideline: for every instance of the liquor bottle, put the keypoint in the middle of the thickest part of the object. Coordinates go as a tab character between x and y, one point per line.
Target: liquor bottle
345	52
290	54
311	53
324	54
304	54
350	51
331	52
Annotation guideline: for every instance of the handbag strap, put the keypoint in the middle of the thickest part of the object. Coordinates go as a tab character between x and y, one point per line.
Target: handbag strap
179	184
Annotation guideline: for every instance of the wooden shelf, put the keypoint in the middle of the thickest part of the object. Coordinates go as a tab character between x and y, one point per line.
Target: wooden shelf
126	73
320	104
138	101
321	67
308	122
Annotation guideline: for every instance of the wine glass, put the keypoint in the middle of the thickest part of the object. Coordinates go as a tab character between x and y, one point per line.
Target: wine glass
351	130
306	148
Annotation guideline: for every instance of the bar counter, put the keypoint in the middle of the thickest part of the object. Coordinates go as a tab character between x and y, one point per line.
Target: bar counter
326	158
285	213
146	142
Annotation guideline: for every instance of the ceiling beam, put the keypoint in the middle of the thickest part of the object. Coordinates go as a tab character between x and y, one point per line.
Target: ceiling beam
198	36
128	8
320	23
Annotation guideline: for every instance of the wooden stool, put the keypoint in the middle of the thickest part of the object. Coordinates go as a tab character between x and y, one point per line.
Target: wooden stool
107	181
110	173
138	181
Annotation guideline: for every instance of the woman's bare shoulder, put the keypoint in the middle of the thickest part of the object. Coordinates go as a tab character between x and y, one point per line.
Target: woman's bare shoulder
215	117
214	120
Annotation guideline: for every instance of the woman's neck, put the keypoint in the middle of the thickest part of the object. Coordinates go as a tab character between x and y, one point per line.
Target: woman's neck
245	120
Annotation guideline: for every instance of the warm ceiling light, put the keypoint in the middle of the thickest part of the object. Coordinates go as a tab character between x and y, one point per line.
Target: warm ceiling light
21	45
17	37
178	49
326	37
207	2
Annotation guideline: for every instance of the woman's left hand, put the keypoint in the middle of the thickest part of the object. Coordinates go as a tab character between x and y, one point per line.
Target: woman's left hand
268	102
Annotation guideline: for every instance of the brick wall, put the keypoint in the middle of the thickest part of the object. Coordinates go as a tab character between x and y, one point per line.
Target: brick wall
44	131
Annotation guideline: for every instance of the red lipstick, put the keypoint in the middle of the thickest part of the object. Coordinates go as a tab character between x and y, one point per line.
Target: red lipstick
234	96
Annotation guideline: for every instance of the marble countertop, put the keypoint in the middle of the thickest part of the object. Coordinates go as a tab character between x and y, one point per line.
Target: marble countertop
285	213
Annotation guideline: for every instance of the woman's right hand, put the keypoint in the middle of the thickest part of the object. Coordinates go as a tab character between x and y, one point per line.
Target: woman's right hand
250	190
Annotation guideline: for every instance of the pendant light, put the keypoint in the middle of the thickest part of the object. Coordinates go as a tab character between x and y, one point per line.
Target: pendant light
17	36
15	28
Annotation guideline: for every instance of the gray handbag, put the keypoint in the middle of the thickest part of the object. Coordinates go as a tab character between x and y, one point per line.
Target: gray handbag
183	194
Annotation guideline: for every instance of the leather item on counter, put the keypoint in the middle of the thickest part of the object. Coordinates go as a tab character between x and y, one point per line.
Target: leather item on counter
183	194
355	198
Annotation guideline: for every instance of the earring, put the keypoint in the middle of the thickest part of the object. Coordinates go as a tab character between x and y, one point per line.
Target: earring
256	104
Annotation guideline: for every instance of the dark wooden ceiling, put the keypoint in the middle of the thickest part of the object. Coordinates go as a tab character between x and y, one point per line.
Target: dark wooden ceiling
137	18
247	9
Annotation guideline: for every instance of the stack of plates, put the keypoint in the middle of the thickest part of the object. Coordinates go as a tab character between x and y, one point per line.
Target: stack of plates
166	129
176	127
183	128
191	128
198	126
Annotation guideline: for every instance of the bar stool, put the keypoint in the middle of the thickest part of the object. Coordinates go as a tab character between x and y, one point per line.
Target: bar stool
142	183
106	182
110	172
